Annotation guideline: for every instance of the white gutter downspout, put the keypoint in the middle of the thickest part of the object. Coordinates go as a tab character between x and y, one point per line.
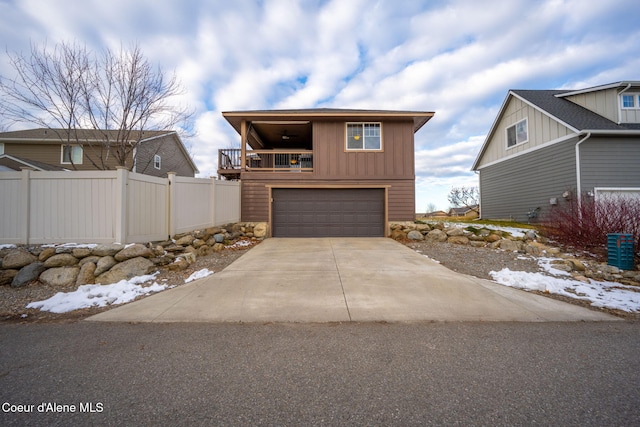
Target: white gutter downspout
578	181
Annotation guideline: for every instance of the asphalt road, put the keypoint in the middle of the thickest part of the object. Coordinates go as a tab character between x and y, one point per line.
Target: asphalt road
569	374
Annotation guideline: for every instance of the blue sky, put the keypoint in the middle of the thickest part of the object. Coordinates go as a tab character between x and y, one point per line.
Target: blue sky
458	58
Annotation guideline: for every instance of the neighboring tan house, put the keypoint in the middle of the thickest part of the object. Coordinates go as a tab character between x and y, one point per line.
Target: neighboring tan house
324	172
466	212
157	152
549	146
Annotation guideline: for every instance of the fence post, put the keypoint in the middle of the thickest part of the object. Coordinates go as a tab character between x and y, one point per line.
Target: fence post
171	207
212	200
25	191
122	176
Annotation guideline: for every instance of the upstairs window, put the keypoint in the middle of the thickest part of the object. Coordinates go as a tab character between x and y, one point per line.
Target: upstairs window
1	147
630	101
157	162
364	136
72	154
518	133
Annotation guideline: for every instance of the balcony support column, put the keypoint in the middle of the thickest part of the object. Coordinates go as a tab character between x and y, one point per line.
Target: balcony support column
243	146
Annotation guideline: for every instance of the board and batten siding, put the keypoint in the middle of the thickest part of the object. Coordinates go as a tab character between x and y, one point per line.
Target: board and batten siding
542	129
602	102
512	188
330	158
333	165
609	162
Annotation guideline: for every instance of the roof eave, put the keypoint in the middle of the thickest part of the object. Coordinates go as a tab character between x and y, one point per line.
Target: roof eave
235	118
597	88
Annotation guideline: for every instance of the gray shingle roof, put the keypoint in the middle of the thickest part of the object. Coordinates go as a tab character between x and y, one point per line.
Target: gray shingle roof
570	113
55	135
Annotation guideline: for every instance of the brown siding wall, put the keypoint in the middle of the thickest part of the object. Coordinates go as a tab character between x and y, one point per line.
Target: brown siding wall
255	196
333	165
331	160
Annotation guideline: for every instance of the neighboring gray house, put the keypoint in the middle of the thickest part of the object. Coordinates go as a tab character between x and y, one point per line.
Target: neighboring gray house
156	152
549	146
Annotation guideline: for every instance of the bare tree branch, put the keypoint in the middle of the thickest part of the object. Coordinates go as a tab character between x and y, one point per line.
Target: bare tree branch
69	88
465	197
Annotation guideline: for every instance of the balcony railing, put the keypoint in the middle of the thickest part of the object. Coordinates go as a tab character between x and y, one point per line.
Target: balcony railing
229	161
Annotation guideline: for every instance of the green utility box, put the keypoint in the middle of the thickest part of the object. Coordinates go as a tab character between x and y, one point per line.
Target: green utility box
620	251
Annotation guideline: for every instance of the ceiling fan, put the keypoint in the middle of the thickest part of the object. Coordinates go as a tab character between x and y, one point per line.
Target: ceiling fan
286	136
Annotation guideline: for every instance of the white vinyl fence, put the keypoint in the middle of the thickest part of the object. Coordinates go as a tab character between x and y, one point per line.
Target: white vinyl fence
109	206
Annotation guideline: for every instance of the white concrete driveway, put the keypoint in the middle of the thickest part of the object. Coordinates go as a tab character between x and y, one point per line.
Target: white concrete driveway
342	280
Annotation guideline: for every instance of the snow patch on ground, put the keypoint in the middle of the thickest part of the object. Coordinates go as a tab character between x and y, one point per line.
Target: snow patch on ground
611	295
240	244
99	295
70	245
198	275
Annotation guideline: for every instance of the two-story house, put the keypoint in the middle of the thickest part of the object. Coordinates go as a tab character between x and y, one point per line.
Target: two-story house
324	172
155	153
547	147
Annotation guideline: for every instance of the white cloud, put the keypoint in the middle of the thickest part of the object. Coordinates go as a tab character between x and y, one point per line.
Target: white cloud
457	58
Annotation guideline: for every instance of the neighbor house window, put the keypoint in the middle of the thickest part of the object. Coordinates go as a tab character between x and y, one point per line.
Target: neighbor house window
518	133
631	100
72	154
364	136
1	147
157	161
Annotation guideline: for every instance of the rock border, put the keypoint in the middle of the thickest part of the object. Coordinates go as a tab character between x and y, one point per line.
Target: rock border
531	243
66	264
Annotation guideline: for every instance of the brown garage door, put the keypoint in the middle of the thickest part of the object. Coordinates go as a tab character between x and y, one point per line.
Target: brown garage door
323	212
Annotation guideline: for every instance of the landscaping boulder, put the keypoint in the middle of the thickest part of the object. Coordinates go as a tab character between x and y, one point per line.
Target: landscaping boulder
17	258
61	260
179	264
397	234
260	230
28	274
104	264
415	235
86	274
126	270
454	231
185	240
493	237
134	251
218	238
6	276
509	245
458	240
91	258
81	252
107	250
437	235
46	253
60	276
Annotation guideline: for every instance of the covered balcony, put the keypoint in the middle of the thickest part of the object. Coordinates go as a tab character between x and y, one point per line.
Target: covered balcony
230	163
270	145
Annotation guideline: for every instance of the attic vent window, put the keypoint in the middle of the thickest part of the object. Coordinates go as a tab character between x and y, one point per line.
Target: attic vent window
518	133
631	101
364	136
157	161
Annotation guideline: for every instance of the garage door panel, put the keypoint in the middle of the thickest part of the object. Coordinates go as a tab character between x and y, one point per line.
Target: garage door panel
328	212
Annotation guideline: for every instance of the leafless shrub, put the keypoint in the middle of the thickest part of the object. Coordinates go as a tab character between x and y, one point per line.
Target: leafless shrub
584	224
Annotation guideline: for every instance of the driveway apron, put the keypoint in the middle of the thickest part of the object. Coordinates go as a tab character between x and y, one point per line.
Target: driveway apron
342	280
